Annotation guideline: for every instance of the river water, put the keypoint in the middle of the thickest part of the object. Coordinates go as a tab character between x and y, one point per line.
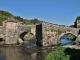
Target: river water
28	50
65	41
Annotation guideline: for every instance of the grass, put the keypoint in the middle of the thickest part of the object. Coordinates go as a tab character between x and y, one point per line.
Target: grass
27	38
70	36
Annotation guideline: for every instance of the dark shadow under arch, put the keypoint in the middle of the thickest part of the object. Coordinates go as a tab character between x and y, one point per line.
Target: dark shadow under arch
79	32
1	39
22	35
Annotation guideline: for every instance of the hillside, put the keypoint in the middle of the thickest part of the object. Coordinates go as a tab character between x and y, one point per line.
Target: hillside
4	15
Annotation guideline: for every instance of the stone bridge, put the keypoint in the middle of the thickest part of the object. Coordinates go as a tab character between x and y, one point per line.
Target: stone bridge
13	31
49	34
46	33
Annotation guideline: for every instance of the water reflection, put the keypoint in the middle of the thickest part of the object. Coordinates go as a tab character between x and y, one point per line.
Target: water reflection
65	41
2	58
13	52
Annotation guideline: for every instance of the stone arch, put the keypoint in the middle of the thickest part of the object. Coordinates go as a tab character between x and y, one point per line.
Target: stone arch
67	40
2	38
67	34
24	33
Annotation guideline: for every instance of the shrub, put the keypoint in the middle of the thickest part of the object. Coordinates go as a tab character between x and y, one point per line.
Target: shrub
52	29
59	31
59	54
70	36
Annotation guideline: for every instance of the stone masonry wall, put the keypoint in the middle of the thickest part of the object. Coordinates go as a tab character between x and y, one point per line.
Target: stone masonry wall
52	33
2	32
26	28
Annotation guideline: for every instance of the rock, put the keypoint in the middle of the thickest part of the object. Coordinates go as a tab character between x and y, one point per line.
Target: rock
72	47
78	38
20	40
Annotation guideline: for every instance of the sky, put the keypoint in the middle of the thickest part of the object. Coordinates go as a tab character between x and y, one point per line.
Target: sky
61	12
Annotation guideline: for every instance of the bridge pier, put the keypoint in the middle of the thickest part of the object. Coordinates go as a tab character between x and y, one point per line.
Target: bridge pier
44	36
11	35
39	36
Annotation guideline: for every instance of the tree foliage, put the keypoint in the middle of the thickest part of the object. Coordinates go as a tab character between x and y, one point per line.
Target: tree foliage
78	18
4	15
73	26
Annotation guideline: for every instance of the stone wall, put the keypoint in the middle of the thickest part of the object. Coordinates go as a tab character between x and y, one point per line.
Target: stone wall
22	30
26	28
2	32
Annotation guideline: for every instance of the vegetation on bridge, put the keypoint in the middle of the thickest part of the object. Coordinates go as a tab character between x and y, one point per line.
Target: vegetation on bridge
71	36
78	18
4	15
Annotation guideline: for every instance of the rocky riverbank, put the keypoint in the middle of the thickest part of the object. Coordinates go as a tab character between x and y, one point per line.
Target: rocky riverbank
72	46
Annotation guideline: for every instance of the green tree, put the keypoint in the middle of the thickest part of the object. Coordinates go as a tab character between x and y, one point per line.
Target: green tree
4	15
35	21
73	26
78	18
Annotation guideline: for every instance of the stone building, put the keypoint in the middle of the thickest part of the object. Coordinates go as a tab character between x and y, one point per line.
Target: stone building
77	22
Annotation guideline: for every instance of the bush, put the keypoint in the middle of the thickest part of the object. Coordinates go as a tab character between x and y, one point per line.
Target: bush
59	31
59	54
71	36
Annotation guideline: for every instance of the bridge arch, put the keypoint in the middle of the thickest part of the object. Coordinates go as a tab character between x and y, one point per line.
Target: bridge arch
2	38
66	34
28	34
22	35
67	39
61	35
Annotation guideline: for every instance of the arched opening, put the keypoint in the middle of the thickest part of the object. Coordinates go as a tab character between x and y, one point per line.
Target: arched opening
28	38
67	39
79	32
22	35
1	41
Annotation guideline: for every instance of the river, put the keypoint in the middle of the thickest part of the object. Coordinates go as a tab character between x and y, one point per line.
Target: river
65	41
28	50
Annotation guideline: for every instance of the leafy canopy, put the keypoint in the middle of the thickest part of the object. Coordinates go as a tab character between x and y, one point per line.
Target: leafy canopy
4	15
